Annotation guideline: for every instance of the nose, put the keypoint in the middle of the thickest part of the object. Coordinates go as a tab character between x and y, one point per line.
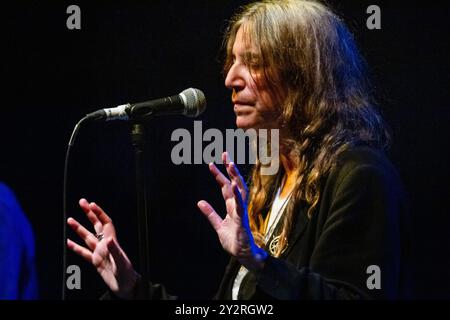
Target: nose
235	79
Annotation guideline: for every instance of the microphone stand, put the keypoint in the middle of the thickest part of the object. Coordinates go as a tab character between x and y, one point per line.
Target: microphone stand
138	141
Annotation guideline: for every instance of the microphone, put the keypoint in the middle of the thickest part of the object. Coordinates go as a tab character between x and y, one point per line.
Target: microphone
190	102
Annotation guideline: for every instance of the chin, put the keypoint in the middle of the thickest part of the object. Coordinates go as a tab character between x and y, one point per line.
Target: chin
243	123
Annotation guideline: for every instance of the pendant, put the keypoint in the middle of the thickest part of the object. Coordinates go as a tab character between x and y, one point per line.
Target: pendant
273	245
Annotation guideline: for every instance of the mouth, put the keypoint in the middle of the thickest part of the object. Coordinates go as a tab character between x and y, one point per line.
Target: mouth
242	106
241	109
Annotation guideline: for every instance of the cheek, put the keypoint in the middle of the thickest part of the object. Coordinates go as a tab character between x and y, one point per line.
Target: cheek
268	104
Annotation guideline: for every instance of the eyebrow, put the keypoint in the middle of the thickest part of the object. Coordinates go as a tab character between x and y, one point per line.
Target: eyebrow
248	56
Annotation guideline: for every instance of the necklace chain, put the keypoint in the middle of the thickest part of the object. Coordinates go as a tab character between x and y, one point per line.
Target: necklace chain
277	218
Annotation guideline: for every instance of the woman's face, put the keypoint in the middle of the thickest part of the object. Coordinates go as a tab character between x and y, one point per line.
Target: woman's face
254	104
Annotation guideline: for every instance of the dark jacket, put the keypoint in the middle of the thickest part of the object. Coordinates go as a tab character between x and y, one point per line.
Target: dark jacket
361	221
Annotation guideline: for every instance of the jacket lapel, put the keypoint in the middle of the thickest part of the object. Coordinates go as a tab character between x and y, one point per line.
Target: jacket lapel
300	224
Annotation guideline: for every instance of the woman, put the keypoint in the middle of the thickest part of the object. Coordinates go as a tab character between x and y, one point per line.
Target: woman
329	224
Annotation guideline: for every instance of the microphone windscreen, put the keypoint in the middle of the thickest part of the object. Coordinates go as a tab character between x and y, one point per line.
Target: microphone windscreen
194	102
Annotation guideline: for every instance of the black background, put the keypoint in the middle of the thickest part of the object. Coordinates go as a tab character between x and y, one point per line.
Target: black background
135	51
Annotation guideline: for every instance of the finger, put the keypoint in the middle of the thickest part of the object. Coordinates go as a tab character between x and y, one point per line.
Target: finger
219	176
238	198
98	226
101	215
223	182
226	158
235	175
83	233
227	163
81	251
210	213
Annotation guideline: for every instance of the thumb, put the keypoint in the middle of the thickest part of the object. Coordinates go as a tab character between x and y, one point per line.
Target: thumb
117	253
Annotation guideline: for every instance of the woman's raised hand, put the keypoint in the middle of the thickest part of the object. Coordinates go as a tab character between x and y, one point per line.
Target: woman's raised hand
233	231
103	251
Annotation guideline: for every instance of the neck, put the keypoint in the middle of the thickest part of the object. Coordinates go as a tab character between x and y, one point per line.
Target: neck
290	166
